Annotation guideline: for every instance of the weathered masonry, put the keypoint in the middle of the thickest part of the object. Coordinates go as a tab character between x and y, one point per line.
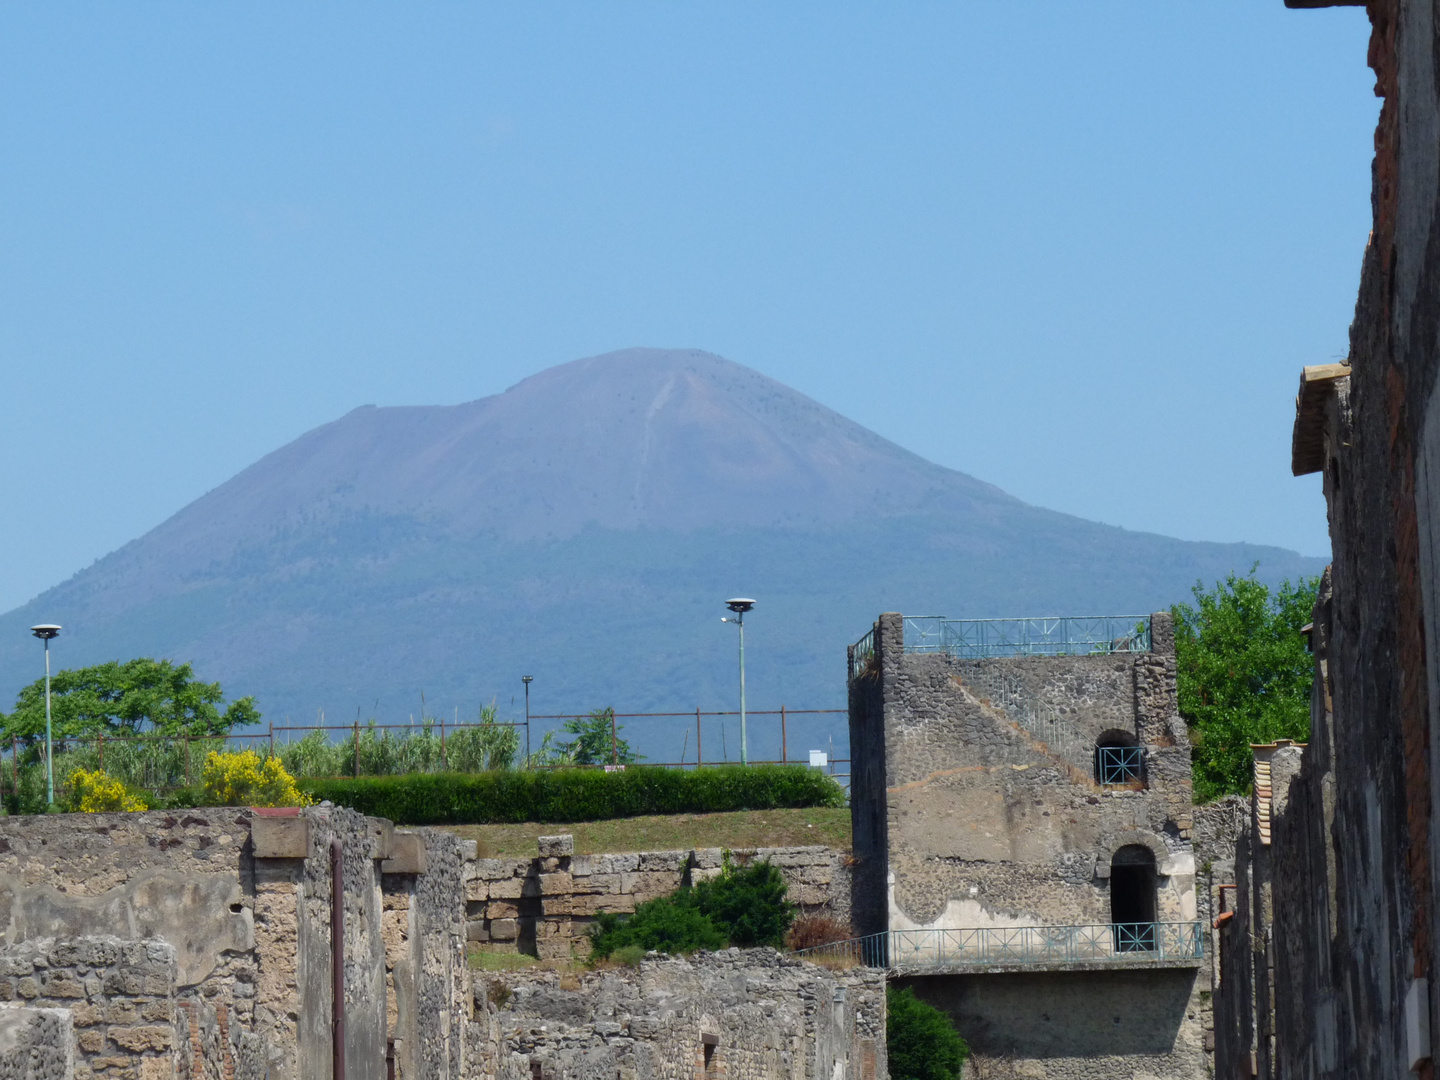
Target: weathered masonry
201	943
1023	821
207	944
1339	913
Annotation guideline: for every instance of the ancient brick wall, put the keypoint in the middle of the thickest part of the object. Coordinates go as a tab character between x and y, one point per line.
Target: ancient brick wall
545	906
764	1015
113	1000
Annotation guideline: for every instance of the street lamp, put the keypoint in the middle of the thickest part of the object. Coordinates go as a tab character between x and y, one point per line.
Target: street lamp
46	631
740	605
527	679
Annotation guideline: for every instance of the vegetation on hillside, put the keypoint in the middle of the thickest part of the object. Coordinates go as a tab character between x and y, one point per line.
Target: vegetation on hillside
1243	673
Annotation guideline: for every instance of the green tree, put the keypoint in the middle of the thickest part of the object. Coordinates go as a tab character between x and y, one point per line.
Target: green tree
593	743
1243	675
748	903
921	1042
124	699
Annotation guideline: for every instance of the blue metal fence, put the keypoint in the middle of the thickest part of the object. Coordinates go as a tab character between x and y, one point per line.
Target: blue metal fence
1007	945
1082	635
1119	764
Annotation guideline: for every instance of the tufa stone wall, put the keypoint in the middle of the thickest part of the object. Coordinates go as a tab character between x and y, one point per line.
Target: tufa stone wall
242	899
108	1007
744	1015
545	906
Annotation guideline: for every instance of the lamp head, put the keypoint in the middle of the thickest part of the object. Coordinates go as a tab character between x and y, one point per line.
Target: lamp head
45	631
740	605
527	679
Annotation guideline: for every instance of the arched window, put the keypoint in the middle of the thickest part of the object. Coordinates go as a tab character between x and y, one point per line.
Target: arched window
1119	758
1132	898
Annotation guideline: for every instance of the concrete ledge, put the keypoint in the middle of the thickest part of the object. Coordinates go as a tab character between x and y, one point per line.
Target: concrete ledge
1116	964
407	854
280	837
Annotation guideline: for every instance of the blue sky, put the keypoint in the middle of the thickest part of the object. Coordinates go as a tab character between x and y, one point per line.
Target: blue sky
1080	251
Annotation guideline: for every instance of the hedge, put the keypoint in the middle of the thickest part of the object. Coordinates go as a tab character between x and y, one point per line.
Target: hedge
513	796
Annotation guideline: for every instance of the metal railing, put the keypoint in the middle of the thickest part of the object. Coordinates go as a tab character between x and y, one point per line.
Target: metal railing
1006	945
1116	765
861	653
1082	635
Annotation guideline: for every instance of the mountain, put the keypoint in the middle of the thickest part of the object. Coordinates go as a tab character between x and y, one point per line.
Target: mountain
584	527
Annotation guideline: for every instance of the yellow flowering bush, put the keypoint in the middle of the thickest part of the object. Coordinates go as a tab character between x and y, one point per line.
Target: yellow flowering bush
97	793
244	778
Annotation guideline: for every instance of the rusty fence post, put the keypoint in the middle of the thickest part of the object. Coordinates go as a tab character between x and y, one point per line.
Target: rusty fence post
784	750
699	757
357	747
185	749
272	738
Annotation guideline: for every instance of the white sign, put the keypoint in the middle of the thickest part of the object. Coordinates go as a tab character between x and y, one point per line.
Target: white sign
819	759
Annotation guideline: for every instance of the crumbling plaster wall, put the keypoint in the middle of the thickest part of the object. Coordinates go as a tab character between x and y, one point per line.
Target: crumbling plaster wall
244	899
985	825
772	1017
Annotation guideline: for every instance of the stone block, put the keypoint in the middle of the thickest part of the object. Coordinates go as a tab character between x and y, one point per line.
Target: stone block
553	948
582	866
502	909
557	905
558	884
477	889
382	833
139	1039
37	1042
596	883
91	1041
407	854
504	929
469	849
593	904
664	860
280	837
494	869
557	846
476	931
708	858
507	889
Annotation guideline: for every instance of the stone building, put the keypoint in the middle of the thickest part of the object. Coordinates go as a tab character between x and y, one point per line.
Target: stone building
1023	820
1347	938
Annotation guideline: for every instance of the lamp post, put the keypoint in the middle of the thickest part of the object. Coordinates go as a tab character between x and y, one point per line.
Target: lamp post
526	679
740	605
46	631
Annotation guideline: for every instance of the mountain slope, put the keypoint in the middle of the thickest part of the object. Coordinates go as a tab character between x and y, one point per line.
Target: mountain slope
583	527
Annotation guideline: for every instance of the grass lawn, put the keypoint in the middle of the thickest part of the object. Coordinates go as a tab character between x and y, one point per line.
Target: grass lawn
671	832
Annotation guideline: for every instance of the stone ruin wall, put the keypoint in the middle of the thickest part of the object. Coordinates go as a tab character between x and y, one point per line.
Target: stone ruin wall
545	906
767	1016
196	944
985	824
242	900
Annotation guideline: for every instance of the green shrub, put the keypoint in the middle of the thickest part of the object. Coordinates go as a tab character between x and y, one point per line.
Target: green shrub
922	1042
558	795
629	955
743	906
748	903
671	924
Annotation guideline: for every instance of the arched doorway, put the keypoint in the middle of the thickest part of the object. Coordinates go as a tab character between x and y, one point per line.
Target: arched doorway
1132	898
1119	759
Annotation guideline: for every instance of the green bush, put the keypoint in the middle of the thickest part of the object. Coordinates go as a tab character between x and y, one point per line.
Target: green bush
743	906
514	796
922	1042
671	924
748	904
